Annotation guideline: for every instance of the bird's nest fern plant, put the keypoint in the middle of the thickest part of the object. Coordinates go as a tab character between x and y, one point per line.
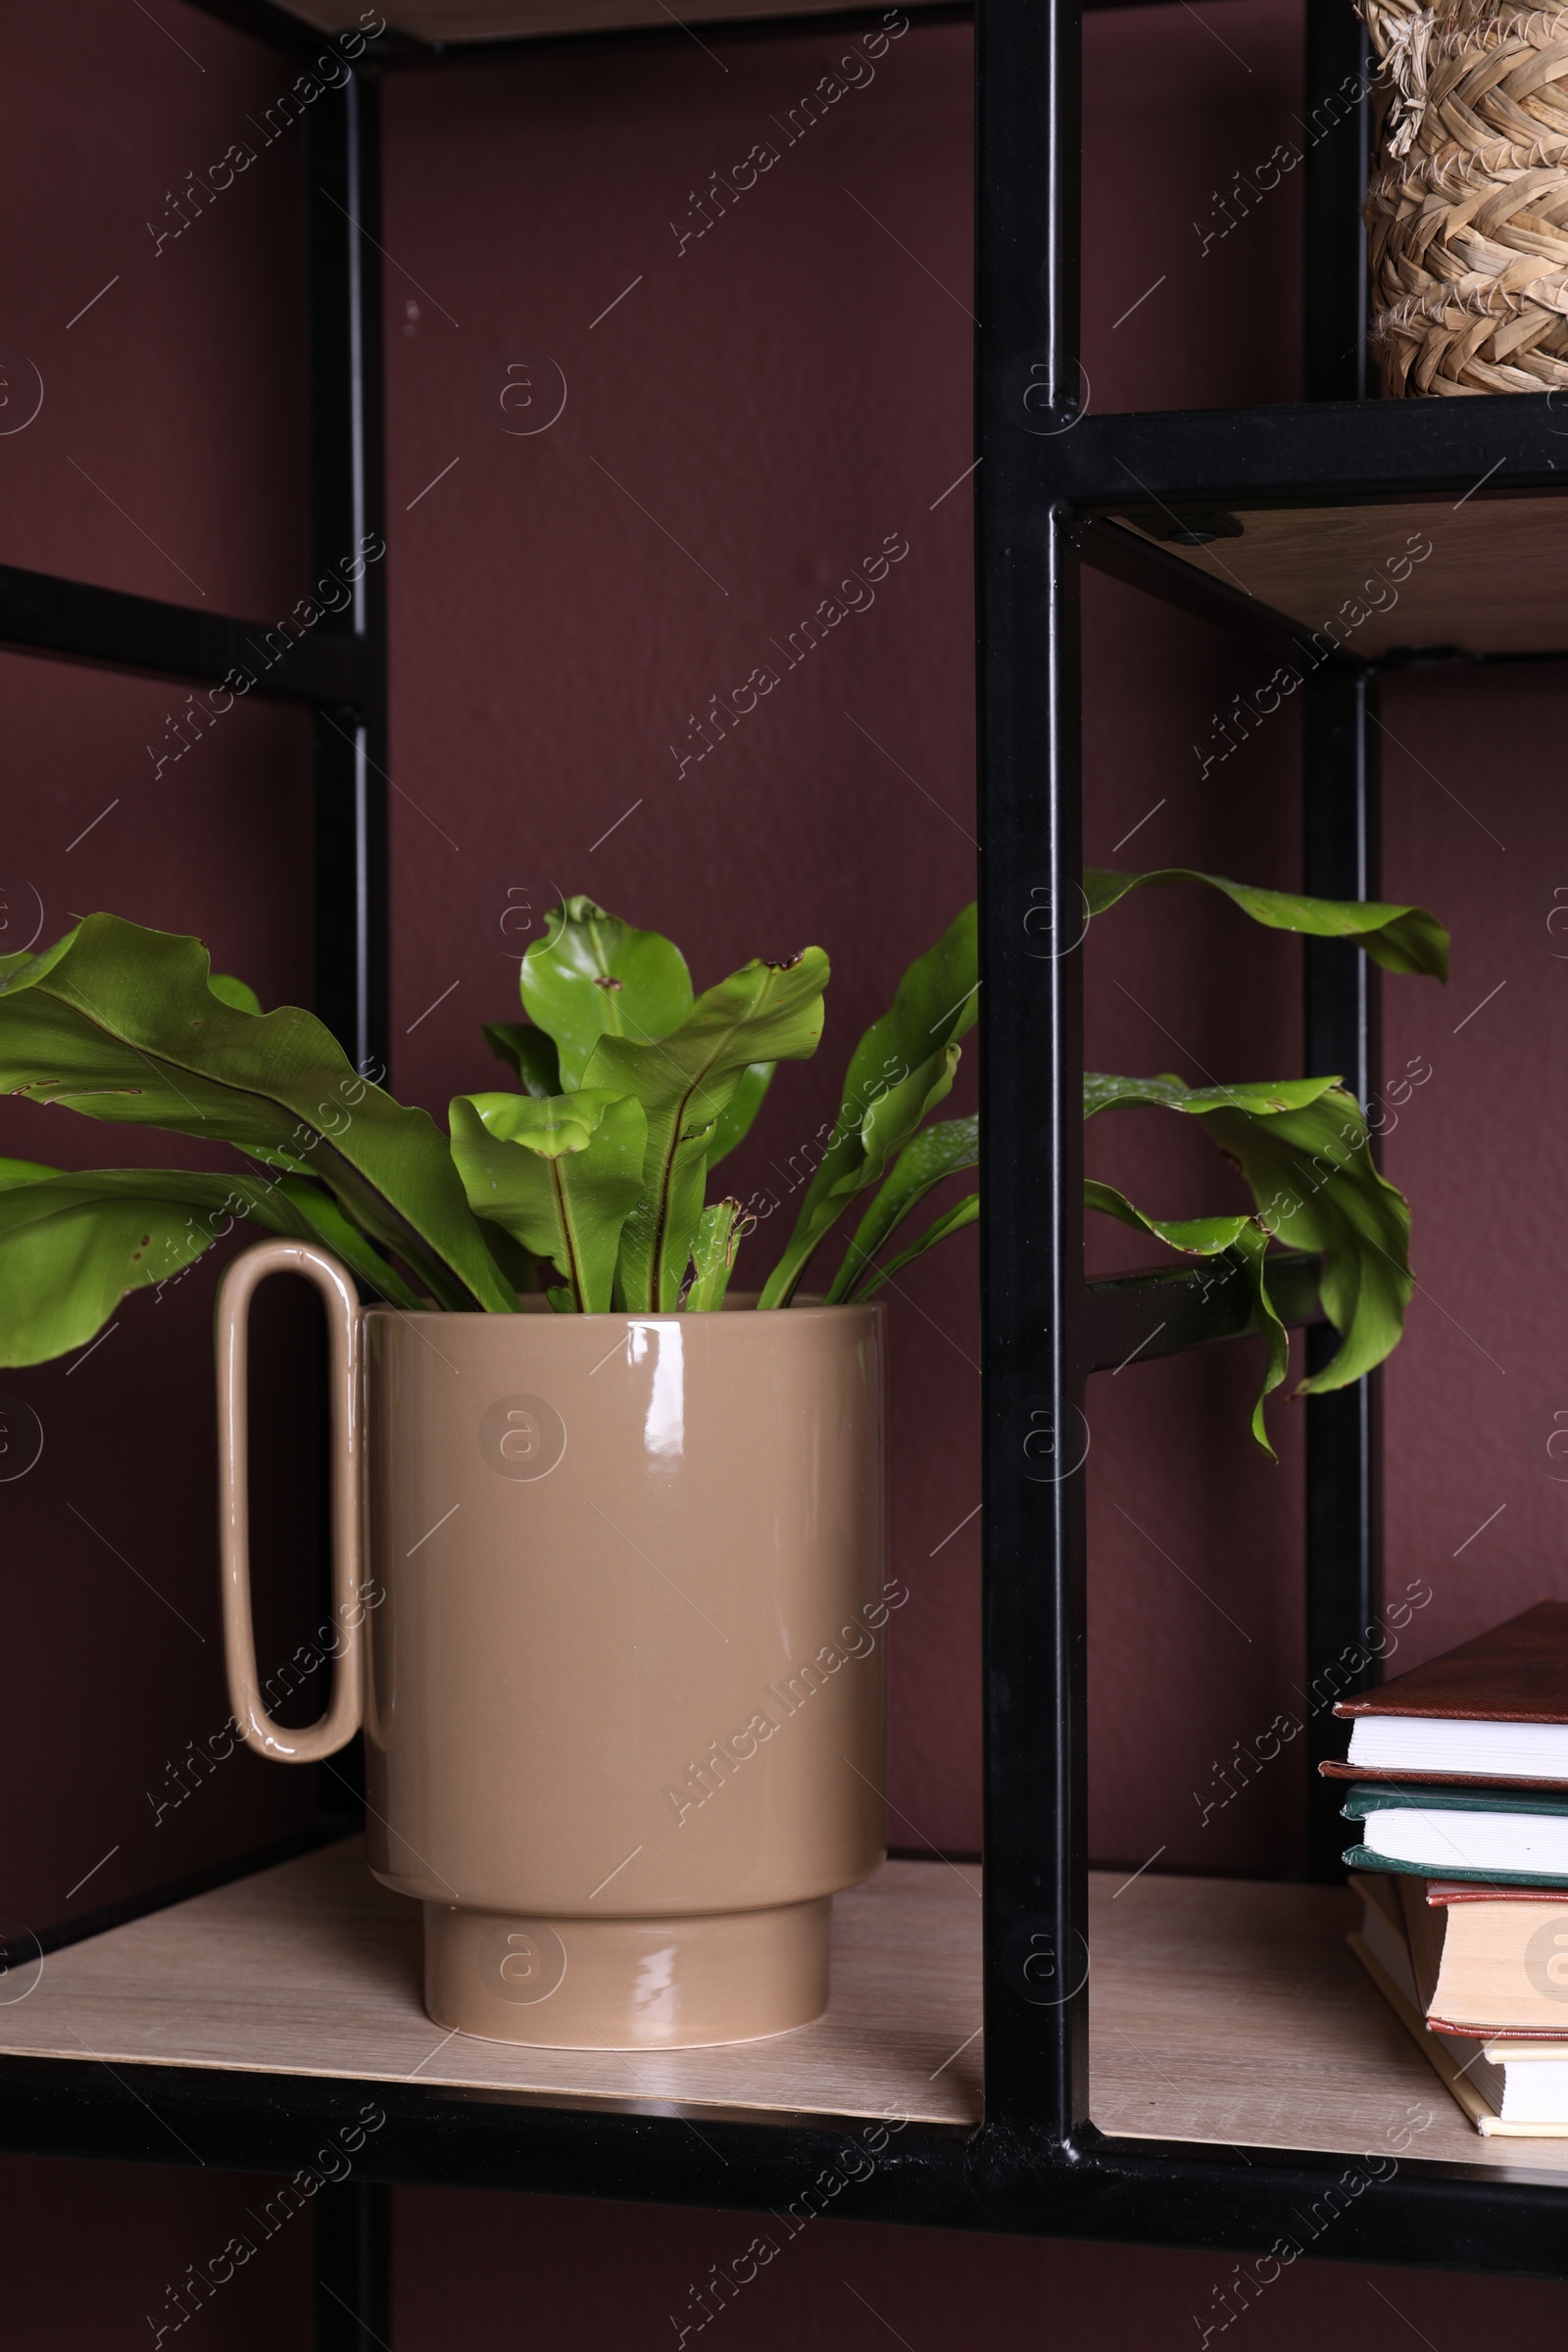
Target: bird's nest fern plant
590	1179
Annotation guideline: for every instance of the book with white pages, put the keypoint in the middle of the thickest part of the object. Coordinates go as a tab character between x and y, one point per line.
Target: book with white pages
1503	1837
1493	1709
1438	1744
1508	2088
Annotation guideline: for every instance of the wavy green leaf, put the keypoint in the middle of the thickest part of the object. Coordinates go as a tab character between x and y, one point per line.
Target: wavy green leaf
558	1175
122	1024
734	1121
763	1012
594	976
926	1158
1402	939
1303	1147
67	1256
74	1243
1258	1097
901	1069
1214	1237
324	1221
1312	1174
237	993
952	1220
24	1171
721	1230
528	1053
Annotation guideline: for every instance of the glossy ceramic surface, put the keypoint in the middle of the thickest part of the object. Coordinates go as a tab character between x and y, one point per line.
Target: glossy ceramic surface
624	1689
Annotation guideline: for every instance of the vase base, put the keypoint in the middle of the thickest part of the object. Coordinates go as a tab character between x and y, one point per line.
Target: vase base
626	1984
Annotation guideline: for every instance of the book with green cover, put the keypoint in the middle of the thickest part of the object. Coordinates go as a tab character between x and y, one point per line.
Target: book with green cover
1497	1835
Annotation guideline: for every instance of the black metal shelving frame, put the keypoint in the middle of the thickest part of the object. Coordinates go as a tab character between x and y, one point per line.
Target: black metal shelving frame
1052	480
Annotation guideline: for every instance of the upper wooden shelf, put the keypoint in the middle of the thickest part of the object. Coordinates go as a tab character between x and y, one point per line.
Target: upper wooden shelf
461	21
1493	579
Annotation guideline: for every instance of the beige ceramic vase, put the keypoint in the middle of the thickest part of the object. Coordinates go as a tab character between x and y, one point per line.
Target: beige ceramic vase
610	1596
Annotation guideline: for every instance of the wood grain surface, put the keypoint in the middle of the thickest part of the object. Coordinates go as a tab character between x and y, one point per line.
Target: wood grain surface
314	1969
1493	583
1221	2010
1234	2011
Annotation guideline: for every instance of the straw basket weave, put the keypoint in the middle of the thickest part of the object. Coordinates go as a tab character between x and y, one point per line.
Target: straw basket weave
1468	208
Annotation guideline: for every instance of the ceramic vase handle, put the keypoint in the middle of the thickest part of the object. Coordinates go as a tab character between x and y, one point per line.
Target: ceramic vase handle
342	1717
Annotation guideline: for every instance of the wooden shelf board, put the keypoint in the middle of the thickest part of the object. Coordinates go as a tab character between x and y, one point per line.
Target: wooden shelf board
1231	2012
1221	2011
1495	582
530	19
313	1968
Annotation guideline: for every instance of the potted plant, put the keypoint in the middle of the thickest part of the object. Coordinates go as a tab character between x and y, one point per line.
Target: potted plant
609	1564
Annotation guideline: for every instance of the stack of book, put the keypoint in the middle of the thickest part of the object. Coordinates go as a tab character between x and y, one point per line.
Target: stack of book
1460	1786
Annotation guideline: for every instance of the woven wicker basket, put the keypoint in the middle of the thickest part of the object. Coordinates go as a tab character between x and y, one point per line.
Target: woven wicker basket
1468	208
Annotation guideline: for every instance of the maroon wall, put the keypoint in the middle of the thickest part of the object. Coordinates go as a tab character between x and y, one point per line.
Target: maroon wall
1475	826
165	460
168	335
486	2271
770	401
783	395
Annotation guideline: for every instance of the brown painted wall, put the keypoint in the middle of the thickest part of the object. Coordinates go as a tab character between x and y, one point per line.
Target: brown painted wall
770	406
165	459
764	405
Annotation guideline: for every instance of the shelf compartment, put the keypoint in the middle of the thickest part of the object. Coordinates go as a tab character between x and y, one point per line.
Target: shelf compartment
313	1968
1239	2061
1224	2012
1493	582
1233	2013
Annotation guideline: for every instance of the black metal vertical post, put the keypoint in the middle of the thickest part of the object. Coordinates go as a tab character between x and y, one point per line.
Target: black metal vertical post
346	547
1344	1439
353	2266
348	553
348	550
1031	929
1340	782
1336	168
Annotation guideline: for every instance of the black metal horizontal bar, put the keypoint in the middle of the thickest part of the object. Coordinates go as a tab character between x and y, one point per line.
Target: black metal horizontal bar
1326	453
401	49
1454	656
72	621
1372	2206
1173	1309
1122	555
1396	2210
281	29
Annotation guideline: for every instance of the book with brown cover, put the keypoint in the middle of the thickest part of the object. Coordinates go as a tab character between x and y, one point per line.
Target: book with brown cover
1488	1964
1424	1930
1513	1673
1508	2088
